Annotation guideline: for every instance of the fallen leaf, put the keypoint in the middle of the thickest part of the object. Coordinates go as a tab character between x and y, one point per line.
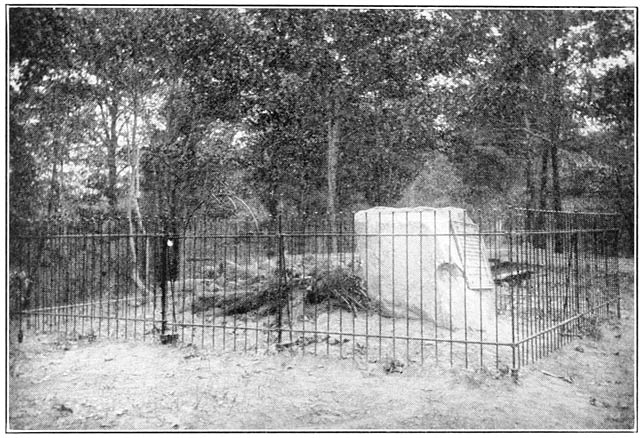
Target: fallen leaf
64	409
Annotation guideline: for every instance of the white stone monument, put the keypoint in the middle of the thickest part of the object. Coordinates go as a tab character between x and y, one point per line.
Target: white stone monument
427	263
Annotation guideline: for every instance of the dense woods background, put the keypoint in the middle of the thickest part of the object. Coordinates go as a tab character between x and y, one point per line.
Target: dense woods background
254	112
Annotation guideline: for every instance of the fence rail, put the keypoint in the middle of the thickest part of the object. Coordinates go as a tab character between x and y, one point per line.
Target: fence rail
421	285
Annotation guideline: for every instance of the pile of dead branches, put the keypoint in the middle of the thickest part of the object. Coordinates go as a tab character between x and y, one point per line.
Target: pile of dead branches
336	287
340	287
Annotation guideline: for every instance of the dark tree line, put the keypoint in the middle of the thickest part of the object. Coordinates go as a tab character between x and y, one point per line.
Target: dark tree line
175	112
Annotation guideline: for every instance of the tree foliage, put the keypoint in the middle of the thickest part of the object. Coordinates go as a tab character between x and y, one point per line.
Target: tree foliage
305	110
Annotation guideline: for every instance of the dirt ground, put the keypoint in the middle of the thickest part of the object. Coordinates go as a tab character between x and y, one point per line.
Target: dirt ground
58	384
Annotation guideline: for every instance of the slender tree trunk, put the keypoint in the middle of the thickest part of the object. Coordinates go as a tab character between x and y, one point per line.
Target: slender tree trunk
531	191
555	178
136	161
130	200
137	209
132	205
53	202
333	152
627	217
556	115
379	147
54	191
540	241
531	187
112	145
272	203
543	177
557	202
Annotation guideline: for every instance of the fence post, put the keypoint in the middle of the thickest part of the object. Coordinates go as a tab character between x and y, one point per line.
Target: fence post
514	347
163	280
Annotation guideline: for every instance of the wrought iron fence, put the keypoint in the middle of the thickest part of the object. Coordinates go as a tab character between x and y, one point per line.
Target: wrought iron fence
418	285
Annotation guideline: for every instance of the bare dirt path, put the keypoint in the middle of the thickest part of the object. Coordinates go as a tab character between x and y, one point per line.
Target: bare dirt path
108	385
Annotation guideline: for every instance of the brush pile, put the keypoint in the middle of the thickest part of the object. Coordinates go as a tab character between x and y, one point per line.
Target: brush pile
340	287
291	294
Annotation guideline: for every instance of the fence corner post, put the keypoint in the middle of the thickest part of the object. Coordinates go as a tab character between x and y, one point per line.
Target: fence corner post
164	242
512	296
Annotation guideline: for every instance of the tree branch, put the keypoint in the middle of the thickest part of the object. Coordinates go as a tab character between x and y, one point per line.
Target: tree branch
527	131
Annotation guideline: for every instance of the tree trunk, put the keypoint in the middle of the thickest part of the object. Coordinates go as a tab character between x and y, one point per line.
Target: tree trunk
541	218
333	152
543	178
139	218
557	114
557	202
531	192
555	178
112	145
52	204
54	191
132	205
379	147
627	216
531	187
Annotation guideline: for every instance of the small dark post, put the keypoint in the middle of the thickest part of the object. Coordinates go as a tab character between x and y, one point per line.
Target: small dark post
514	349
163	280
